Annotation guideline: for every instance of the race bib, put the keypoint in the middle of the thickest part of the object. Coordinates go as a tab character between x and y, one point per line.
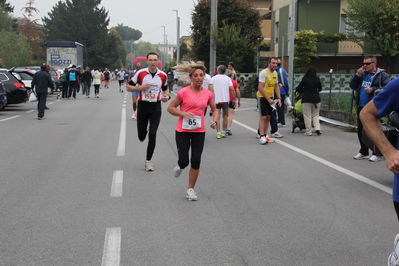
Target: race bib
191	124
151	94
149	97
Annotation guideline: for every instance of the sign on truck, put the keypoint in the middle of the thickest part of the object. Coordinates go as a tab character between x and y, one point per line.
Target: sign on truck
61	55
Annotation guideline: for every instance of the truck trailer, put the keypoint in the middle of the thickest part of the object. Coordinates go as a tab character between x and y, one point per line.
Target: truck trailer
61	55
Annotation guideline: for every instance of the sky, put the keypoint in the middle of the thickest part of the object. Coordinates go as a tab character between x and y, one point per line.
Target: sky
146	16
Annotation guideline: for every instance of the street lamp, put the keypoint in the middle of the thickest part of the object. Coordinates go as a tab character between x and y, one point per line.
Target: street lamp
178	36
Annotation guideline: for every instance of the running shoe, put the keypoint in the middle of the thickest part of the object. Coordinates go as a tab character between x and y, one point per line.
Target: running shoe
269	140
276	135
374	158
318	132
360	156
308	134
262	140
134	116
228	132
190	195
393	259
223	134
149	167
218	136
177	171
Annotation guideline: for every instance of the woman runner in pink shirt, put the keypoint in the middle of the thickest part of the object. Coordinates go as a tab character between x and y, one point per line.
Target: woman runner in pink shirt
190	127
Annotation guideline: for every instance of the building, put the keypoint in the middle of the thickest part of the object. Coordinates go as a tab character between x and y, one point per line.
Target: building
318	15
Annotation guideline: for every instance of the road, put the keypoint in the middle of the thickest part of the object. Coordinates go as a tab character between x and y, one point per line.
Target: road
74	192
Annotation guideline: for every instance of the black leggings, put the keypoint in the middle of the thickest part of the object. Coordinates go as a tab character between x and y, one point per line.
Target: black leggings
396	205
183	142
148	112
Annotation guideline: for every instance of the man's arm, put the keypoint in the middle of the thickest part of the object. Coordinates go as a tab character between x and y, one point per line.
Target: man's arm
372	126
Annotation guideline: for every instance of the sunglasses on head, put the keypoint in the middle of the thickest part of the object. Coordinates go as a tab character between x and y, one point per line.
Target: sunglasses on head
368	63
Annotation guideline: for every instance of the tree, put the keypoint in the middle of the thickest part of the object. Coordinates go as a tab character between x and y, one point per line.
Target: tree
82	21
143	48
127	33
30	28
231	45
6	6
14	49
379	21
234	12
6	21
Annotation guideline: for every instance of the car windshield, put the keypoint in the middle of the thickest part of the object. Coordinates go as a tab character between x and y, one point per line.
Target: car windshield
25	76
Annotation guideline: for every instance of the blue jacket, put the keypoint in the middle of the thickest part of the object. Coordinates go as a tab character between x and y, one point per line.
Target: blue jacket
42	81
282	79
380	79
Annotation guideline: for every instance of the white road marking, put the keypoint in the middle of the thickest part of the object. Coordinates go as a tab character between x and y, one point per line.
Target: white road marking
117	181
12	117
327	163
122	134
112	247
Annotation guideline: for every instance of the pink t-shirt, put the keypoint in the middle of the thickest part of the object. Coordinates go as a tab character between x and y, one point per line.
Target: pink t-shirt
196	104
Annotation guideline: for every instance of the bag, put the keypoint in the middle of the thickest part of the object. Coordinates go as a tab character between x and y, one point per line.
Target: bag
298	108
287	101
32	97
389	131
72	76
63	77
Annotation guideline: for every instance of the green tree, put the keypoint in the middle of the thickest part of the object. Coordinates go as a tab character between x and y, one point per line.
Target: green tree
379	21
7	6
143	48
234	12
127	33
14	49
83	21
231	45
6	21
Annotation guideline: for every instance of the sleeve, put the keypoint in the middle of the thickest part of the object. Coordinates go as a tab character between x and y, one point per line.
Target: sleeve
355	81
262	76
387	100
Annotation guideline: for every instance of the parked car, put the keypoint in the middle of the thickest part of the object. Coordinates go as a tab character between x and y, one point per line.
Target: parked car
14	87
3	96
25	75
54	75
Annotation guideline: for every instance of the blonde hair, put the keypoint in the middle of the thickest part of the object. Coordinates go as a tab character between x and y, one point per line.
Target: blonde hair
187	68
229	73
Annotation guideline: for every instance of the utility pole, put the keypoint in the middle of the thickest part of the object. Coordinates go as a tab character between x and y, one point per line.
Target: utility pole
164	45
178	36
291	47
214	18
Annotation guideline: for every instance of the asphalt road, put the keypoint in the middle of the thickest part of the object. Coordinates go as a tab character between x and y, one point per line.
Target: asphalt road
74	192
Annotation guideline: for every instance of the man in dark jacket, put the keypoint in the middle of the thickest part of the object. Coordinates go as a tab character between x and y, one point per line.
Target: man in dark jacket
42	81
365	82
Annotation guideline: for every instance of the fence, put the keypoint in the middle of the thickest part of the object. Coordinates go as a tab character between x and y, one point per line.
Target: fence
335	96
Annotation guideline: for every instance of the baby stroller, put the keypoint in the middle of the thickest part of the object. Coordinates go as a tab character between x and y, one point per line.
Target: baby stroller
298	121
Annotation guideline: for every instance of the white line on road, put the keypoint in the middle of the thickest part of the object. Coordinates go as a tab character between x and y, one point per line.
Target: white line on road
117	181
122	134
112	247
12	117
327	163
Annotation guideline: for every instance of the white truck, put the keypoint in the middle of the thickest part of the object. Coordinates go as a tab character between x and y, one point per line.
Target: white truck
61	55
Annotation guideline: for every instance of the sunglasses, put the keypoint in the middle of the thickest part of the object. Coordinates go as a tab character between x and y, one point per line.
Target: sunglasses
368	63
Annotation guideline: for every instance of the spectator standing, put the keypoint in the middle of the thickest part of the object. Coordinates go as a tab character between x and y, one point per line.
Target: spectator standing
65	84
284	92
233	71
268	95
309	88
40	83
190	127
365	82
73	79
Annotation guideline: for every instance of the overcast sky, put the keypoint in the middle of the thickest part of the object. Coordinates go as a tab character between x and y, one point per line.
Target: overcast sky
146	16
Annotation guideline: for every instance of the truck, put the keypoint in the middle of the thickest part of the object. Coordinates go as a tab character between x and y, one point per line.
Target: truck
63	54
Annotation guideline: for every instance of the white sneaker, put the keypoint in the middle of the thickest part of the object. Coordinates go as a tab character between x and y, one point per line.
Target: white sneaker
149	166
190	195
360	156
177	171
281	125
257	136
276	135
374	158
393	259
262	140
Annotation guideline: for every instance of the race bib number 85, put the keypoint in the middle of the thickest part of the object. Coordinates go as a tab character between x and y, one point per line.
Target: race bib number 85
191	124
